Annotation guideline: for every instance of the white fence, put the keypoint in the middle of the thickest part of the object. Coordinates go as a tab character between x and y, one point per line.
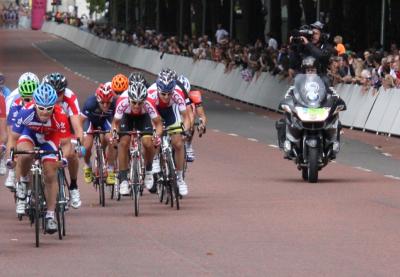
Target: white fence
368	110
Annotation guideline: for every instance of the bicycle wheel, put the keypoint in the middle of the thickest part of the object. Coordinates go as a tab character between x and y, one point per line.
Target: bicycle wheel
135	172
61	202
36	189
173	182
100	164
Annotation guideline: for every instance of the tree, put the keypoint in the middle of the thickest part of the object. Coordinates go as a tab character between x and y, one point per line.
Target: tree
96	6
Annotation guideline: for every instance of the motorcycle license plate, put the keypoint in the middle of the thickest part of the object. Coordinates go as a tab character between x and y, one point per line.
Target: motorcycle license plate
313	114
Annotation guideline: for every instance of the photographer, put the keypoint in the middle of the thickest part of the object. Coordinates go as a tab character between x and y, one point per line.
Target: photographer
309	41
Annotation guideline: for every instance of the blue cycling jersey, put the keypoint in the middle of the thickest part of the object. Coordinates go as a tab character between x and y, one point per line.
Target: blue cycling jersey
93	112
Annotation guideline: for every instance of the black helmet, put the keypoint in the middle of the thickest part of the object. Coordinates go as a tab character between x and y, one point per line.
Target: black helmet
57	81
136	77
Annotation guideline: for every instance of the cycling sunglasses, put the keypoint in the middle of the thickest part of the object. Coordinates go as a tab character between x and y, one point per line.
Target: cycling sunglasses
59	93
165	94
135	103
106	103
47	109
26	100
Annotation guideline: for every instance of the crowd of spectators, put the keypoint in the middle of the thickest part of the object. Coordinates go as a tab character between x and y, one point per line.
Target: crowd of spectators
372	68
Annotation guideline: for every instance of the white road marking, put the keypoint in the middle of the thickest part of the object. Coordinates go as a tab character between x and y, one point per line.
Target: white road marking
392	177
216	130
363	169
387	154
233	135
253	139
227	104
237	108
273	145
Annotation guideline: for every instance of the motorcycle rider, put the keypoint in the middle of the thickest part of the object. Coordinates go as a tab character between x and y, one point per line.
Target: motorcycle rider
288	134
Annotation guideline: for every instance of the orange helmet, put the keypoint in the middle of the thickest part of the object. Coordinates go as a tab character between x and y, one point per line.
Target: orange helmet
119	83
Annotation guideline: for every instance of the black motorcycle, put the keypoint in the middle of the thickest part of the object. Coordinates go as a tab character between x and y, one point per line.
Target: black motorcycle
310	132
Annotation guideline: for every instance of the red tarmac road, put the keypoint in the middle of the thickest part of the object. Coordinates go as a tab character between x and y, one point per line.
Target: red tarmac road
247	214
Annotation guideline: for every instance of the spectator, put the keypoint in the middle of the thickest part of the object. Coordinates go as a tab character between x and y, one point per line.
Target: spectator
221	33
338	40
271	41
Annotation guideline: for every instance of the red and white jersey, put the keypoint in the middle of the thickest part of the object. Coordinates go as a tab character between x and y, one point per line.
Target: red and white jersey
123	107
70	103
2	107
155	103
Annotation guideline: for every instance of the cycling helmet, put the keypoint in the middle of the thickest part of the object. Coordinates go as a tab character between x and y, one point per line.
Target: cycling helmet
28	76
165	82
57	80
185	82
26	88
104	93
136	77
45	95
137	92
119	83
2	79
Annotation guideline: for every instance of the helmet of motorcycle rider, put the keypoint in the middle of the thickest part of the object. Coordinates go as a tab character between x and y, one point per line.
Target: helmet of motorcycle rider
309	65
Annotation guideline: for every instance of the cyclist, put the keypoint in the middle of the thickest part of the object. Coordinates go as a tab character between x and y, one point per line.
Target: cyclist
98	112
14	95
166	101
3	135
131	113
194	107
119	83
3	88
42	124
26	89
69	102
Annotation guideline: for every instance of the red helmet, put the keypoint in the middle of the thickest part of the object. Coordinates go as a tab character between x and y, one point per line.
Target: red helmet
104	93
119	83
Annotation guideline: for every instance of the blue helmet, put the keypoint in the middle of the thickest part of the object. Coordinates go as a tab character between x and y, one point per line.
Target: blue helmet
185	82
45	95
165	82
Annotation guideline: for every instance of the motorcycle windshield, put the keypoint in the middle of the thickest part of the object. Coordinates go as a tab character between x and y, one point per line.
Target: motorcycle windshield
310	90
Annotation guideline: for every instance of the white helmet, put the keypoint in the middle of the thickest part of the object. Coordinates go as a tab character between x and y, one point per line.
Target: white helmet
137	92
28	76
185	82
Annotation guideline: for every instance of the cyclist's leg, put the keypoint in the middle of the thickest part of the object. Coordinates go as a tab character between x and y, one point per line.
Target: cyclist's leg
50	191
26	142
110	152
123	159
88	142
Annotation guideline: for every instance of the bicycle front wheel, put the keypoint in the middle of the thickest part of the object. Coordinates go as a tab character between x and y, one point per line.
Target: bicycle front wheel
173	182
36	190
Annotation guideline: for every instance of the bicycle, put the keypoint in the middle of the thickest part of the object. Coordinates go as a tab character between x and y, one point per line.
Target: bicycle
167	183
136	167
37	201
100	166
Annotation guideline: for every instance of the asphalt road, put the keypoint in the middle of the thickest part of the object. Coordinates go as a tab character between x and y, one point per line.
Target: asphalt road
248	212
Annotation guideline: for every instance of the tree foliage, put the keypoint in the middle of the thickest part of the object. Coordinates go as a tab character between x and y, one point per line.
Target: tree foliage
97	6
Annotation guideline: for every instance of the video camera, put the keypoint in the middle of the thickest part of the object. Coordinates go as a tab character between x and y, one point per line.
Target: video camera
303	31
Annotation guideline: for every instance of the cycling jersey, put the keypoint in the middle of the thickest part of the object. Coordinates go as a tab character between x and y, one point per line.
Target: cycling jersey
153	104
2	107
70	103
46	135
14	110
93	112
10	99
195	97
184	93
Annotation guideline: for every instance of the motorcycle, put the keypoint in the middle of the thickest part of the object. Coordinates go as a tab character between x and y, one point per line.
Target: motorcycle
310	133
